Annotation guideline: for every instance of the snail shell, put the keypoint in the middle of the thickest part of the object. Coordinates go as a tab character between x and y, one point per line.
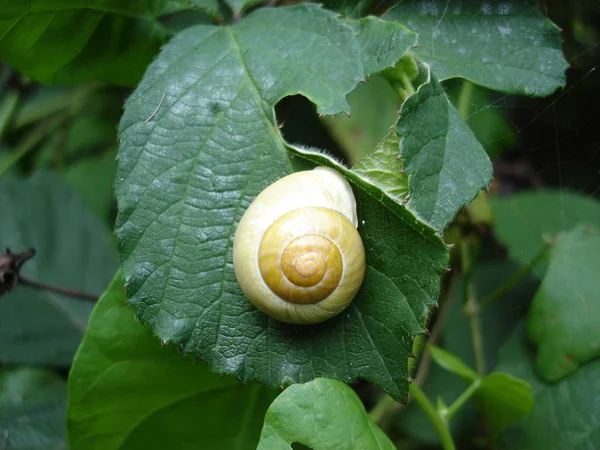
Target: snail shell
296	253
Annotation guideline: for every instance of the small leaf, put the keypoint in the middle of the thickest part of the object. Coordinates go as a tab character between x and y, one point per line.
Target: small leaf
446	165
451	363
74	251
503	400
121	363
564	414
523	222
383	168
33	405
107	41
310	414
505	45
563	319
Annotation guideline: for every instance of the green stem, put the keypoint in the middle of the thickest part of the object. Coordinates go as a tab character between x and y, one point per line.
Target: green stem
514	280
471	308
408	86
460	401
29	143
7	107
464	99
440	425
382	408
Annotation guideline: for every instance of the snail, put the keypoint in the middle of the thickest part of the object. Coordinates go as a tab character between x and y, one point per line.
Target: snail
297	254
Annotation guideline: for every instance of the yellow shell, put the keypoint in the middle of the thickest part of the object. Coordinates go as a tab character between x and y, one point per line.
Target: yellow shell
296	253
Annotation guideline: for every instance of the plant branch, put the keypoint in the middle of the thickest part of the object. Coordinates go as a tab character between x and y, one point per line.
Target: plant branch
30	142
515	279
464	99
471	308
440	425
57	290
462	399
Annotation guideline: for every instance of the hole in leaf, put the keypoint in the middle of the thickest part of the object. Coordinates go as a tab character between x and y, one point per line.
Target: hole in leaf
299	446
302	126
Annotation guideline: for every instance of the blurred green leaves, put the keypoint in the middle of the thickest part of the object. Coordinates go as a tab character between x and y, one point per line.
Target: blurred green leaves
33	404
524	222
74	251
563	319
62	42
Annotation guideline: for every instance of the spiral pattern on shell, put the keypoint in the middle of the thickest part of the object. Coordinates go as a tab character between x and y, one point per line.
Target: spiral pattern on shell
297	254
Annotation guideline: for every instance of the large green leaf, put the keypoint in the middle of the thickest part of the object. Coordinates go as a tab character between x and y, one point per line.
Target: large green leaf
33	404
523	222
74	251
445	164
309	414
505	45
62	41
198	143
564	413
126	392
563	319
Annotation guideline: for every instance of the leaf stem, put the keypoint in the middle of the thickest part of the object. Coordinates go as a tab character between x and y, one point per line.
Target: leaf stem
464	99
471	308
57	290
410	89
7	108
29	143
440	425
461	400
382	408
515	279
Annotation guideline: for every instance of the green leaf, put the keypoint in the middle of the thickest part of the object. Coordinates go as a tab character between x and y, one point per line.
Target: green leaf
74	251
383	168
120	363
381	43
198	143
94	179
507	46
107	41
451	363
523	222
310	414
445	164
563	319
564	413
503	400
33	405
